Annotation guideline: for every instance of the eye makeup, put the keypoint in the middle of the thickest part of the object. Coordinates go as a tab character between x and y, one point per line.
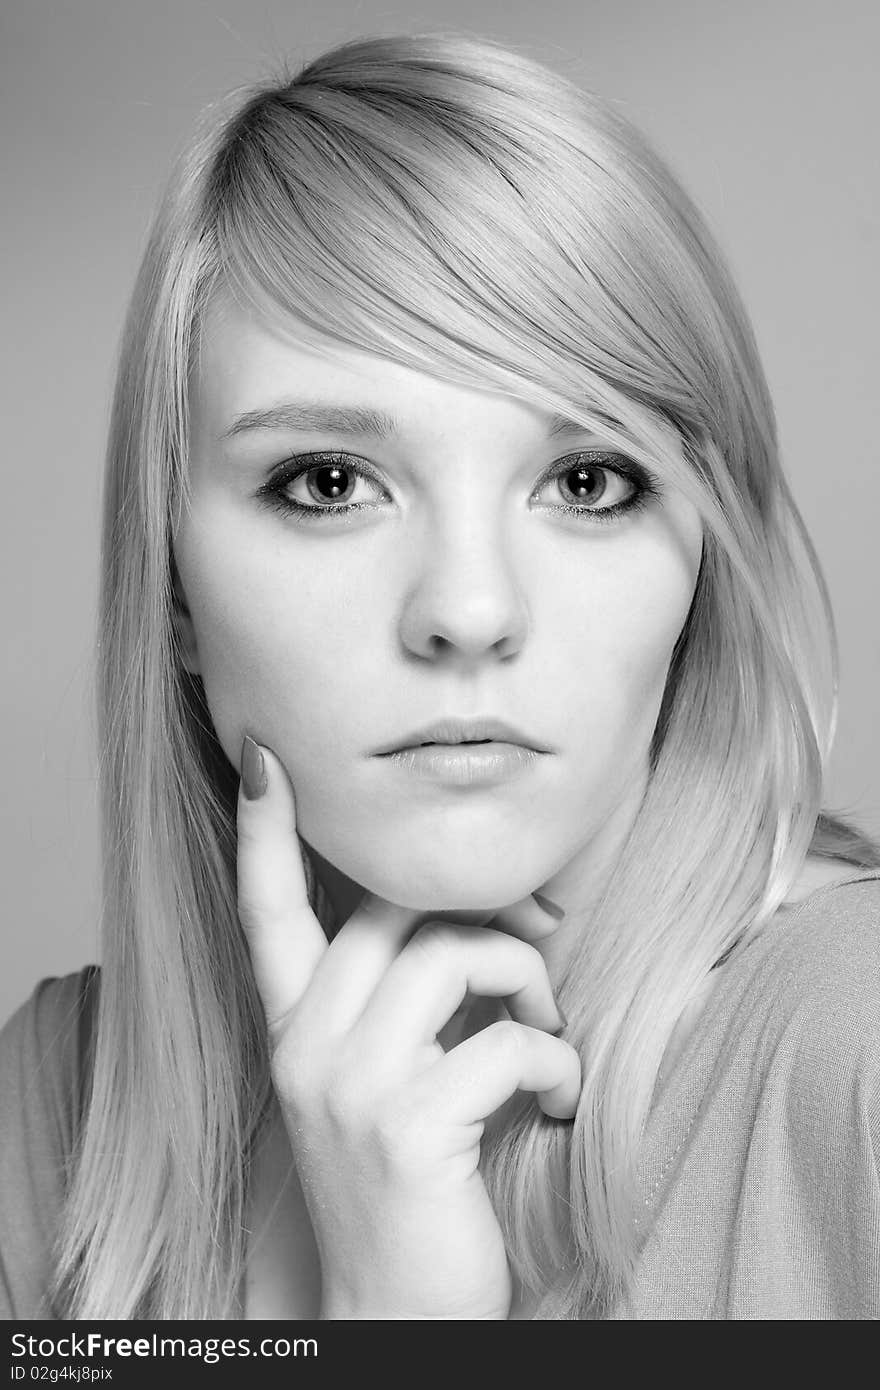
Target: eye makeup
338	468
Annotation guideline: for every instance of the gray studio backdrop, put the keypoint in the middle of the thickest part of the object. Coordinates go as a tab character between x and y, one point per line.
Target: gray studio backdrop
767	108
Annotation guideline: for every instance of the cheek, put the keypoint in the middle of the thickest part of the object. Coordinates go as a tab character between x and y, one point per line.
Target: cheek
617	638
650	619
272	645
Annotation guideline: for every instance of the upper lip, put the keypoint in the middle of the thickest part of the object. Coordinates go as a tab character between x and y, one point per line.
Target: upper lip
464	731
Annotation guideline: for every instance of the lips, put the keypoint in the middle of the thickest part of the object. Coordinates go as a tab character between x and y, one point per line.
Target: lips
484	729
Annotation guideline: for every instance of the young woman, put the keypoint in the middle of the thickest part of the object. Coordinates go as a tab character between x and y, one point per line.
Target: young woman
475	946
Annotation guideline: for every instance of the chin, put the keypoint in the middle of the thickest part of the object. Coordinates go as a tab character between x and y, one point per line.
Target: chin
447	892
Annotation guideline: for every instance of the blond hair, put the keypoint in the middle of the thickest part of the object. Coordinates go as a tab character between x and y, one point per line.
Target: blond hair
462	210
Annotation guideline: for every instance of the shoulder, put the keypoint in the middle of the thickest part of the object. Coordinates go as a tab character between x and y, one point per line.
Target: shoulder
45	1043
44	1067
772	1132
812	996
826	948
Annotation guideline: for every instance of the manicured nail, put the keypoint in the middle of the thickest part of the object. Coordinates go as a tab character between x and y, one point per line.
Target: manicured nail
253	769
563	1023
548	906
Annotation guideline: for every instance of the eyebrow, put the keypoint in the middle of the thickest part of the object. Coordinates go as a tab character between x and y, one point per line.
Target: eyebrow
349	420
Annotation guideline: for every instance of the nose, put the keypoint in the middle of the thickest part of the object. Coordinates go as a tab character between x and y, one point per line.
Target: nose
465	601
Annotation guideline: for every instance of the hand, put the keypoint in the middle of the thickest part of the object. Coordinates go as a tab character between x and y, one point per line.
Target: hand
384	1126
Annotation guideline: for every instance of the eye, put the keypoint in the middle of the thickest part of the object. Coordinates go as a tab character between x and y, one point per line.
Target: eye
318	485
598	485
592	485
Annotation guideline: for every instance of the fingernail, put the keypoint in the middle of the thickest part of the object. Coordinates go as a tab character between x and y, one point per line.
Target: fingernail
253	769
548	906
563	1023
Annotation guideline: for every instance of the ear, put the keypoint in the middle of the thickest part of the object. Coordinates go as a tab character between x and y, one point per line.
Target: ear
183	625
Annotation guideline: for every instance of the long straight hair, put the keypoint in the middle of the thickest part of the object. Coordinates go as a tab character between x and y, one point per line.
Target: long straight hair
464	211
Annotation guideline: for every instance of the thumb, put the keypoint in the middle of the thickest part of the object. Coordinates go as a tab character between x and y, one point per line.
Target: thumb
284	936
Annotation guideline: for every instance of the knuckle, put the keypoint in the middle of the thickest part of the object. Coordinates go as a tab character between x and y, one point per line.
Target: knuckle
435	939
297	1074
345	1101
323	1099
400	1137
505	1039
573	1059
530	958
298	1056
372	909
293	1037
249	905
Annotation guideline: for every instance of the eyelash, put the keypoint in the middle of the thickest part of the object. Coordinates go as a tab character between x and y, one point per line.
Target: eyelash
646	486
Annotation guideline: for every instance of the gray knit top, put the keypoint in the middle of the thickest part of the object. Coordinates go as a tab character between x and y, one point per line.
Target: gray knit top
760	1164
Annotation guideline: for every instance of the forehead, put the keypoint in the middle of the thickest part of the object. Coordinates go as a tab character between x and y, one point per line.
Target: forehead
247	368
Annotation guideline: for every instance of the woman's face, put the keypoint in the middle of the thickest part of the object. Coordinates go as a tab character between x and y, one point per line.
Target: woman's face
456	586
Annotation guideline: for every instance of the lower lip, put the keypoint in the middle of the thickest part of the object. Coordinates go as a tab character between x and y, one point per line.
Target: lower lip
465	764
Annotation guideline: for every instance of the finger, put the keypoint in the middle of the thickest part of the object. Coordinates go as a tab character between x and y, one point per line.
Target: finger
532	919
374	936
364	948
462	916
485	1070
441	963
356	960
284	936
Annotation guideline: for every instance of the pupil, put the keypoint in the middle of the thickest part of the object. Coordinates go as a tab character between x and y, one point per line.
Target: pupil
588	481
332	473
